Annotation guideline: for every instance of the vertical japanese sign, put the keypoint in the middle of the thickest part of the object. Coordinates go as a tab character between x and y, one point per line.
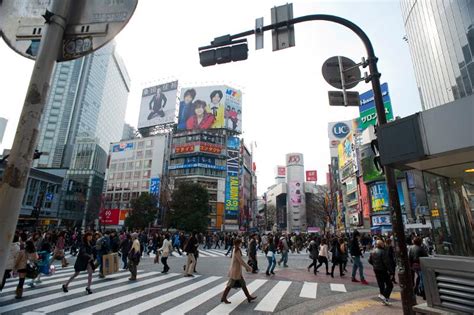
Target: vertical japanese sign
231	205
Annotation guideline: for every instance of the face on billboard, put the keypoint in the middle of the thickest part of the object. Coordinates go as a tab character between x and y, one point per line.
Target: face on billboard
295	193
158	105
209	107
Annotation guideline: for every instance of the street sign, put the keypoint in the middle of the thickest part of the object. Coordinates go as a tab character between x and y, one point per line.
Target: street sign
259	33
332	72
283	37
336	98
91	25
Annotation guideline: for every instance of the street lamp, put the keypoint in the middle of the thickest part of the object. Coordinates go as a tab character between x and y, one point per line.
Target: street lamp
408	297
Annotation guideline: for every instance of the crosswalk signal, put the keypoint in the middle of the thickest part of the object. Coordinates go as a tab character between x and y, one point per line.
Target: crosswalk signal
231	51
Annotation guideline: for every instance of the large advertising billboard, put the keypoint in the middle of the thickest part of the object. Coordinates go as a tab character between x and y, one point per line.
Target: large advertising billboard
210	107
311	176
158	105
380	199
337	131
231	205
295	193
368	114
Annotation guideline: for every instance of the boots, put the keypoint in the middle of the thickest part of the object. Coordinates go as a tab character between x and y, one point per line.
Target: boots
247	294
18	293
224	295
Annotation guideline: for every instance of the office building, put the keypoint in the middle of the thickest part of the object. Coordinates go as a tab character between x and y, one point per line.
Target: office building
3	126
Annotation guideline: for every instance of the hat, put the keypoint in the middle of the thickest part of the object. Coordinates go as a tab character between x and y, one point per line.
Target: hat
134	235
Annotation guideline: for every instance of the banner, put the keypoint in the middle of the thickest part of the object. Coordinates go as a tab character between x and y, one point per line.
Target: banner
295	193
231	205
380	199
210	107
109	216
281	171
367	112
158	105
311	176
155	186
198	161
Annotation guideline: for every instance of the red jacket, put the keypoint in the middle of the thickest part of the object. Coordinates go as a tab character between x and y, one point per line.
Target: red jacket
206	122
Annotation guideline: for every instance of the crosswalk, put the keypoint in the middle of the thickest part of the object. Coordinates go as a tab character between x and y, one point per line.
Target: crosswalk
155	293
204	253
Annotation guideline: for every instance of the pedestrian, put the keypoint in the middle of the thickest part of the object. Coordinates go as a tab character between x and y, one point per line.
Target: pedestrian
253	253
134	256
338	254
270	254
165	250
356	254
323	256
313	255
230	240
236	279
84	261
283	247
415	252
125	246
190	249
102	247
59	253
382	266
391	257
177	244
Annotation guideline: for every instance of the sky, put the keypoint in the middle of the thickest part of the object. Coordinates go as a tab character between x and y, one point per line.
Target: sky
285	106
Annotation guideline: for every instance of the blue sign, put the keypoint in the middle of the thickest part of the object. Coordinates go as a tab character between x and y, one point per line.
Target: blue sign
233	143
155	186
380	198
340	130
122	147
49	196
198	161
367	98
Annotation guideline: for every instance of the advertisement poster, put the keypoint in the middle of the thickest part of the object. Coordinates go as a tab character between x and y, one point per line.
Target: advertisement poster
210	107
281	171
367	112
231	204
109	216
295	188
122	151
347	153
158	105
380	199
155	186
311	176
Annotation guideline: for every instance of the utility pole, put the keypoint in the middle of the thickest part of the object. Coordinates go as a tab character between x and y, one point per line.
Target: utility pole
16	173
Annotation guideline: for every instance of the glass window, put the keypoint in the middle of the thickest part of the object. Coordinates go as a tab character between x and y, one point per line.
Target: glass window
139	155
121	166
135	185
140	145
110	186
113	166
119	176
128	175
129	166
149	143
148	154
117	197
126	186
146	174
126	196
148	164
138	165
111	176
145	184
118	186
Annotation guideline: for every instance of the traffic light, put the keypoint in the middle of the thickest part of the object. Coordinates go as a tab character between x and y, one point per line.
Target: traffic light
234	51
37	155
374	144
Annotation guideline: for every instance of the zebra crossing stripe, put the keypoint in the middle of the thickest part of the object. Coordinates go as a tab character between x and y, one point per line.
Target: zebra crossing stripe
337	287
175	254
196	301
271	300
309	290
129	297
43	289
236	299
45	279
216	252
165	298
41	299
207	253
14	281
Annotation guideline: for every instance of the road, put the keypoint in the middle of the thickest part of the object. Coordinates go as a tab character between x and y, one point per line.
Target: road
292	290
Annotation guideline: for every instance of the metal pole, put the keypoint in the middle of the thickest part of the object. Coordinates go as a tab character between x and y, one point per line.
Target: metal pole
16	174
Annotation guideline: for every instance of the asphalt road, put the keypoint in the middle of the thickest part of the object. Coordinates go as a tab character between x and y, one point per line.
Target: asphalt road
293	290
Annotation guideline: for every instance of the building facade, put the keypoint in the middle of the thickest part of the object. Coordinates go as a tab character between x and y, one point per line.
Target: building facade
440	35
88	98
3	126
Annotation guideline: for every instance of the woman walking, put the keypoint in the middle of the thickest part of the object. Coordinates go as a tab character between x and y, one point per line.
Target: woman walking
235	274
84	261
338	253
166	249
134	257
323	256
270	253
313	255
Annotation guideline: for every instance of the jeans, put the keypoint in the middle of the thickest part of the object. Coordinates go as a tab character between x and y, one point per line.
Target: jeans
384	282
284	258
229	250
271	263
124	260
323	259
357	264
314	264
164	261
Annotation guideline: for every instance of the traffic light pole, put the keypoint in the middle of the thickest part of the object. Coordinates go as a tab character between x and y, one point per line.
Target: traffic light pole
407	293
16	173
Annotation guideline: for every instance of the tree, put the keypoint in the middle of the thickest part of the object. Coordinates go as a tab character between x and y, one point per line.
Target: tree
189	207
143	212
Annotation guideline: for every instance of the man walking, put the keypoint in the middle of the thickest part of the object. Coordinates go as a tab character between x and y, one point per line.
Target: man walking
283	248
380	261
190	249
253	253
356	253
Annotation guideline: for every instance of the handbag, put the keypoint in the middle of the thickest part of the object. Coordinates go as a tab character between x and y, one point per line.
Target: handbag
237	284
157	259
32	270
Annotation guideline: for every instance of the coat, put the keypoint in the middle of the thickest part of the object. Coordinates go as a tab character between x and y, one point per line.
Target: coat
235	269
167	248
12	256
84	257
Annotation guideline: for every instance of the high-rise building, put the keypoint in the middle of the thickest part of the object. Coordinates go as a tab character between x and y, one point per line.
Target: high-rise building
440	35
88	98
128	132
3	126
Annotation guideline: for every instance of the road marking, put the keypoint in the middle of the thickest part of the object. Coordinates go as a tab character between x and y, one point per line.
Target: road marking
129	297
236	299
208	253
42	299
309	290
338	287
164	298
216	252
196	301
272	298
14	281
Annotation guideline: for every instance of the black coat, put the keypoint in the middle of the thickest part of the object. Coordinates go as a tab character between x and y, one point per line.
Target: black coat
85	256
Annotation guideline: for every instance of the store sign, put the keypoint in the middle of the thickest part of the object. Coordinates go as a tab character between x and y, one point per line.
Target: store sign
109	216
311	176
380	198
210	148
155	186
185	148
294	159
281	171
122	147
340	130
435	213
231	204
381	220
368	114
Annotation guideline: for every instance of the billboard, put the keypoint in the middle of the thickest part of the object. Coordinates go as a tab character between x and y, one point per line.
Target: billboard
380	199
155	186
210	107
281	171
367	112
198	161
122	150
346	151
158	105
231	205
337	131
295	193
109	216
311	176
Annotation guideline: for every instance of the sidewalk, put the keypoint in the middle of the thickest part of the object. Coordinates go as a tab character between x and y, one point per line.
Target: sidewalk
370	305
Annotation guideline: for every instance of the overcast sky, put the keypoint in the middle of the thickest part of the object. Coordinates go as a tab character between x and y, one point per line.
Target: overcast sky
285	106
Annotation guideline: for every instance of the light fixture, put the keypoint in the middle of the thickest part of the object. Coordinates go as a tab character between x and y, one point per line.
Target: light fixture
469	170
